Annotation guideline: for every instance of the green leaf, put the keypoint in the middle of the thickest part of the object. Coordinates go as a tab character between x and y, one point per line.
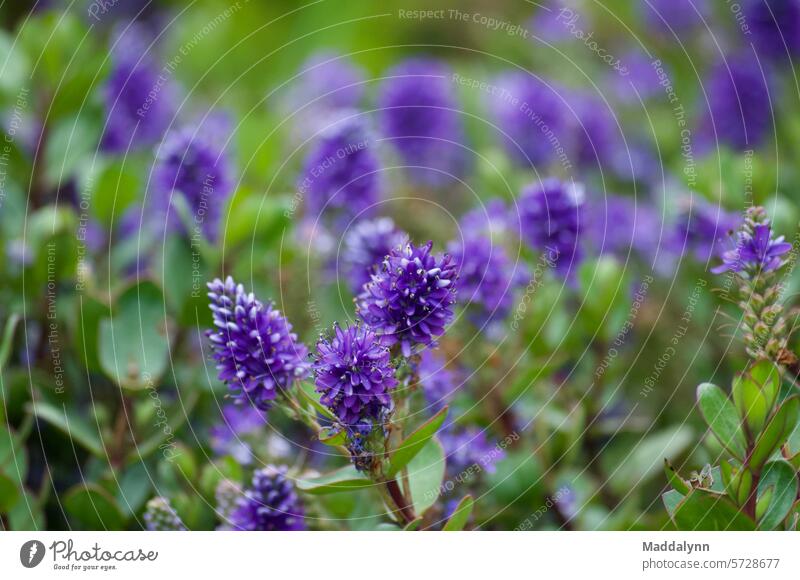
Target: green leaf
703	510
9	493
333	437
135	486
675	480
7	340
27	515
413	444
347	478
93	508
413	525
117	186
721	417
70	422
754	393
425	475
133	345
671	500
310	396
776	432
780	476
644	459
460	516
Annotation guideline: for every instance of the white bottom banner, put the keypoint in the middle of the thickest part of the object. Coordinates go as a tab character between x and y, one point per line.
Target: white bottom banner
390	555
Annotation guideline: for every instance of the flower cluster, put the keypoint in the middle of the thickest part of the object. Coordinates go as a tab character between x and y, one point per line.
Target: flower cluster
740	112
159	516
237	421
354	375
420	117
192	162
366	246
340	176
139	103
526	110
551	213
409	301
256	351
270	504
487	277
755	260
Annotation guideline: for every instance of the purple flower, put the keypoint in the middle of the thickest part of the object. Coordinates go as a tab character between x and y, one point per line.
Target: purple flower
419	115
256	351
365	247
237	421
757	251
192	162
327	80
666	17
532	117
271	504
641	74
409	300
487	277
551	213
700	228
439	383
340	177
740	110
138	97
354	375
468	447
493	220
621	225
159	516
774	26
597	136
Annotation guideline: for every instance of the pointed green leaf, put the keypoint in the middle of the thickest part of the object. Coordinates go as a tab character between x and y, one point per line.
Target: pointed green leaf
721	417
460	516
776	432
93	508
671	500
425	475
675	480
779	476
414	443
71	422
347	478
703	510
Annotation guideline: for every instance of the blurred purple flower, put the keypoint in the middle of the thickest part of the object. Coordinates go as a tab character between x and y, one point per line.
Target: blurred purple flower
191	162
270	504
597	137
327	80
700	228
340	177
774	26
439	382
160	516
533	118
138	95
237	421
739	114
487	278
552	221
679	16
365	247
467	447
620	225
420	117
